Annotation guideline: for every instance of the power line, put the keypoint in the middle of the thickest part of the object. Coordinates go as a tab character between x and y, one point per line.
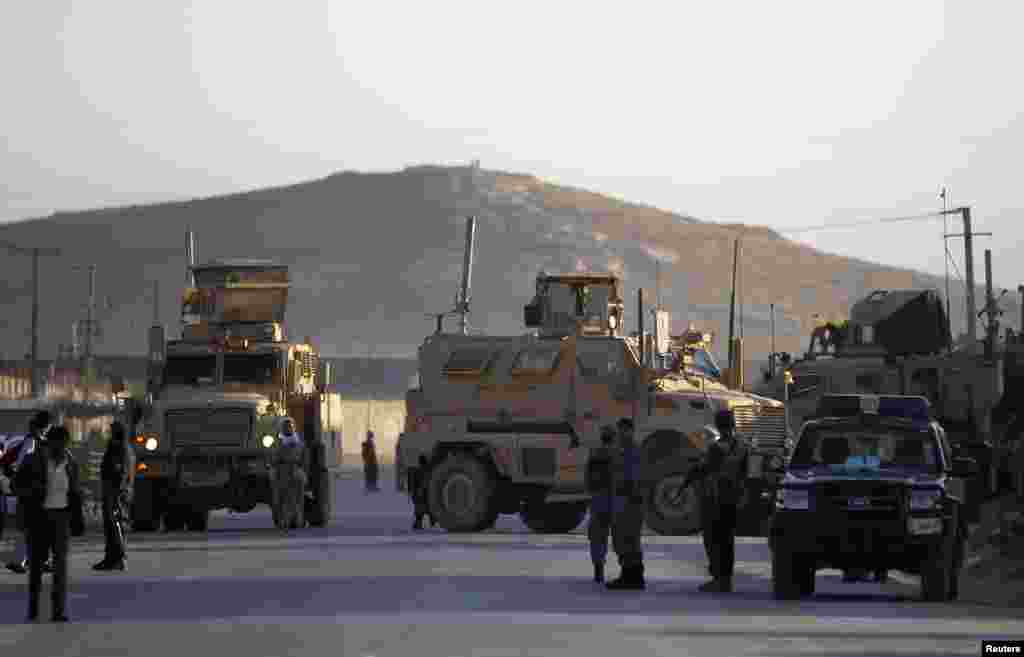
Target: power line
863	222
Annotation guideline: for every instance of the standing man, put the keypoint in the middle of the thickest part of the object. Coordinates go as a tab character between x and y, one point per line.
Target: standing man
117	477
370	468
600	484
418	490
722	474
628	512
36	437
290	465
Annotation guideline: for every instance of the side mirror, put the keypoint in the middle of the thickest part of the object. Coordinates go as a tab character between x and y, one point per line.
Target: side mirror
964	468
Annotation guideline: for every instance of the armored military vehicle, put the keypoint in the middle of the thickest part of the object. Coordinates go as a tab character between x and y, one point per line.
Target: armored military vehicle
897	342
222	389
504	424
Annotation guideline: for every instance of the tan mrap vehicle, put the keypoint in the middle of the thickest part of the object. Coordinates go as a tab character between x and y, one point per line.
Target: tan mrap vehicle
504	424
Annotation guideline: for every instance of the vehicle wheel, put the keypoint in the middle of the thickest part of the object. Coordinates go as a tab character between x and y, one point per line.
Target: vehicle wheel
671	509
807	580
936	577
786	583
460	494
174	520
198	521
553	518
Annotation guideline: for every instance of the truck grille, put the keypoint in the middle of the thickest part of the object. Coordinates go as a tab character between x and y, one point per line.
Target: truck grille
861	496
221	427
763	426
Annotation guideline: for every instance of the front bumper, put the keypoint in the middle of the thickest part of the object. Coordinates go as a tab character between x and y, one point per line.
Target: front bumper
861	538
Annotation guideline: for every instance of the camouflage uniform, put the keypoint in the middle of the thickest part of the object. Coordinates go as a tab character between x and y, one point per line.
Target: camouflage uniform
600	484
628	512
722	474
289	467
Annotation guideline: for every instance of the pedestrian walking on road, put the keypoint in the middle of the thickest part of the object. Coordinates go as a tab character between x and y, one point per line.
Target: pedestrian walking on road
48	481
289	464
36	436
370	467
600	484
628	512
117	477
722	474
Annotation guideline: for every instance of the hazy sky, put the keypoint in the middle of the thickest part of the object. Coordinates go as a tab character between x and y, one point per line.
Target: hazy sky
788	114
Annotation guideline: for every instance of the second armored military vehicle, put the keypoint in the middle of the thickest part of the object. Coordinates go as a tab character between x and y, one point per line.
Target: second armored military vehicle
504	424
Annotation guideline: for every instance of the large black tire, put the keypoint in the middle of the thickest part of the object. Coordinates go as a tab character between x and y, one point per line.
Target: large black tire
145	508
937	576
174	519
672	511
553	518
460	494
198	520
787	580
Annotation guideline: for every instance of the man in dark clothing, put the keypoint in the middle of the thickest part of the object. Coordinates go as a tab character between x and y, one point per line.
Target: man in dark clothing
418	490
628	512
117	476
48	482
35	438
370	469
722	474
600	484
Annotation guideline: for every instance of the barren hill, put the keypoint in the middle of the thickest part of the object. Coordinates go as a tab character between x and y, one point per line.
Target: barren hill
372	254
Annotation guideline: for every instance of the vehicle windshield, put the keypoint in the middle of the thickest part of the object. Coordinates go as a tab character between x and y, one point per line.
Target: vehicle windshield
190	370
251	368
881	446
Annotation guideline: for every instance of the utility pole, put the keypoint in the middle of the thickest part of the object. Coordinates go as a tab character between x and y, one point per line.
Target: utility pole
944	195
969	235
35	253
771	358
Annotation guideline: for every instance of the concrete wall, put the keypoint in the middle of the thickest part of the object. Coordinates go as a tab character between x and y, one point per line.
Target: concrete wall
386	418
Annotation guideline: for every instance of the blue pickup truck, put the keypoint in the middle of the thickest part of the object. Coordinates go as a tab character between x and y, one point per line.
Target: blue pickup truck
872	485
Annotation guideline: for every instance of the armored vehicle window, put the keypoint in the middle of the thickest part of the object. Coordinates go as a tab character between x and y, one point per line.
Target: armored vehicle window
183	424
534	359
804	384
471	360
600	359
15	423
252	368
227	426
892	446
190	370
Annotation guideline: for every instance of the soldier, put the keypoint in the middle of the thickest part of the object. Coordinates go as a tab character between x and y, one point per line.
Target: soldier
418	489
600	485
721	473
117	473
628	512
289	461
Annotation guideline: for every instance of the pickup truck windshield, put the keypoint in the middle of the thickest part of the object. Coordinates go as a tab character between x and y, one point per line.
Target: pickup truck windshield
883	445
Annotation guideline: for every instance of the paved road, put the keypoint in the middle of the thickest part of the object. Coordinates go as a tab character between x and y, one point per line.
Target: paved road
367	585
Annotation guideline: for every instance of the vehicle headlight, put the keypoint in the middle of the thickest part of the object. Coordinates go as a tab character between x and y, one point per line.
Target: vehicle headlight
151	444
924	500
793	498
268	440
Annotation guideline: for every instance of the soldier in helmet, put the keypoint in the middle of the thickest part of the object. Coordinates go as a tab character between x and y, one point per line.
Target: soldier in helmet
722	474
600	485
628	512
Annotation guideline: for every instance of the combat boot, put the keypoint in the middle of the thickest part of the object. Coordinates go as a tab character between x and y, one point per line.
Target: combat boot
717	585
598	571
631	579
